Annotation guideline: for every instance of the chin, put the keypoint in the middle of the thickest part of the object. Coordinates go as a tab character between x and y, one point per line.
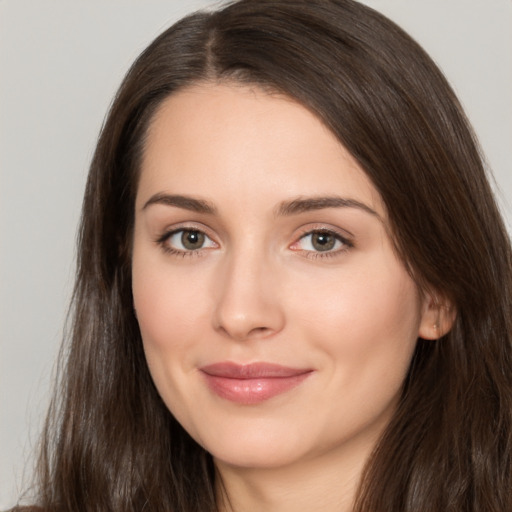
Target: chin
253	448
257	457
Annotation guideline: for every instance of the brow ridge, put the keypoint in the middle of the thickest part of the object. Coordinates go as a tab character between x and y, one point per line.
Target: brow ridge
181	201
285	208
306	204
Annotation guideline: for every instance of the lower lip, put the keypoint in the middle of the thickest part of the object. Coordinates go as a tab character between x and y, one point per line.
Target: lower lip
253	390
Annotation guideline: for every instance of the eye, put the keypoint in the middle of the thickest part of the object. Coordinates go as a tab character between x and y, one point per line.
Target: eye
321	241
186	240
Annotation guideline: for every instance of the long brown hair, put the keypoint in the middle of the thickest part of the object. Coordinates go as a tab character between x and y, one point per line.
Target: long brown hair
110	443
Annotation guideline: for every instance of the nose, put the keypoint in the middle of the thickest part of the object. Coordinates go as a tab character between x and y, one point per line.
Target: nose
248	301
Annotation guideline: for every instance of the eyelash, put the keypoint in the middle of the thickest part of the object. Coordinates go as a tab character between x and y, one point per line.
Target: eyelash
163	242
346	243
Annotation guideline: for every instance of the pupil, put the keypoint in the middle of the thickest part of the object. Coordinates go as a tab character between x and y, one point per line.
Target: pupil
192	239
323	241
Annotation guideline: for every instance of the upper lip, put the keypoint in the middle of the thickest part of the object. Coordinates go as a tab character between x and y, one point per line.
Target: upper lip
232	370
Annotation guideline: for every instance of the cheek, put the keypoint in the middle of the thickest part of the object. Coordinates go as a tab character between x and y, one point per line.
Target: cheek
167	301
168	313
364	329
168	307
367	321
163	311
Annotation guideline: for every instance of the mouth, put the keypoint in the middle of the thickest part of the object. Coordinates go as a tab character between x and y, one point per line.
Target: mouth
252	383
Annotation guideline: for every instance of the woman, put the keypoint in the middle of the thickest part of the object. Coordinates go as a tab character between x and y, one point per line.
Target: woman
293	286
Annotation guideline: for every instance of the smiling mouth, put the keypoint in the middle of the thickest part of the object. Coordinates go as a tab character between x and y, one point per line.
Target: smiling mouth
252	383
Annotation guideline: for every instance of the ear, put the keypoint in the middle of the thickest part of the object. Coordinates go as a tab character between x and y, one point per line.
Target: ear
437	317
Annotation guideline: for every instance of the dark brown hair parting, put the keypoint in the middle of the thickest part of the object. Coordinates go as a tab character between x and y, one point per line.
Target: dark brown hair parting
110	443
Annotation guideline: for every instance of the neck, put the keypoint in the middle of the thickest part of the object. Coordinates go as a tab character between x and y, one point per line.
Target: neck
328	483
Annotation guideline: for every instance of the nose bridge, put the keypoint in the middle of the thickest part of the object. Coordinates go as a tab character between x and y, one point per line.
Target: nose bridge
247	305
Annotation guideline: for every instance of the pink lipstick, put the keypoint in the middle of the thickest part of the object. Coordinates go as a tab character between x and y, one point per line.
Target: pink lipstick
252	383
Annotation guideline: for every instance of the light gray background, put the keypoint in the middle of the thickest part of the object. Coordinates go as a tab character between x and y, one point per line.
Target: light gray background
60	64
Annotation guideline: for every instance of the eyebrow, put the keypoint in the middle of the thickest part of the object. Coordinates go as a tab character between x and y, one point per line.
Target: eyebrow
286	208
301	205
185	202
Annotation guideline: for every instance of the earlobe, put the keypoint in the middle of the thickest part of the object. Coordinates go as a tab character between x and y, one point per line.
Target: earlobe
438	316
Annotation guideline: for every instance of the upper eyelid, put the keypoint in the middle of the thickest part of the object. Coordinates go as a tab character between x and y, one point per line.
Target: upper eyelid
186	226
338	237
163	241
323	228
341	235
163	238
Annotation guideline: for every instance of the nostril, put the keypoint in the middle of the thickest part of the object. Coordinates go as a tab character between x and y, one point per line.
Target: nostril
240	333
259	330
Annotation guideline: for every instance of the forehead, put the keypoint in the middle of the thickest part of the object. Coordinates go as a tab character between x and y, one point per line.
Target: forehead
236	141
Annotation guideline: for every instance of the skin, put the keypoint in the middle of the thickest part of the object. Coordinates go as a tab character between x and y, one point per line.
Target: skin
259	290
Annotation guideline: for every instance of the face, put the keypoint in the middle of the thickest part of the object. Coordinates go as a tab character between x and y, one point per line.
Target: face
278	323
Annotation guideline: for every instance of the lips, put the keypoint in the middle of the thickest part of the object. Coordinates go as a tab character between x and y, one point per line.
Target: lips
252	383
